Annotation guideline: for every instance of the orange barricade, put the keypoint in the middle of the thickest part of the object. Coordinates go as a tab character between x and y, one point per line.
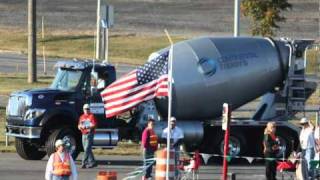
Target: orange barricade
107	175
161	164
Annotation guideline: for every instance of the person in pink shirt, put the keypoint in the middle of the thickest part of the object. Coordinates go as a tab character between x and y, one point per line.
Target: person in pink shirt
149	144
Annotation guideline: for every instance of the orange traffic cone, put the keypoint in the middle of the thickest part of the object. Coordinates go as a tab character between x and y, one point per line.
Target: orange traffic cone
107	175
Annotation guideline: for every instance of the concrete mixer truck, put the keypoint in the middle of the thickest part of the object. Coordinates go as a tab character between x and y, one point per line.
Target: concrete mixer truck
207	72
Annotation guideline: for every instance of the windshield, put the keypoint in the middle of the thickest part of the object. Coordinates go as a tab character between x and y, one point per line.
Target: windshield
66	80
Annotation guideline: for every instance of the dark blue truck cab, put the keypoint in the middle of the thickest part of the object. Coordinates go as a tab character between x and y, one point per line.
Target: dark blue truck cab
38	117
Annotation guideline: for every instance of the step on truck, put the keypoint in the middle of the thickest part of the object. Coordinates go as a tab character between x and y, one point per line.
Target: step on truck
207	72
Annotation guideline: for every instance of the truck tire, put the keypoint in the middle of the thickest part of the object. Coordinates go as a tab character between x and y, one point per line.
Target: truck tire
237	144
285	143
28	151
69	137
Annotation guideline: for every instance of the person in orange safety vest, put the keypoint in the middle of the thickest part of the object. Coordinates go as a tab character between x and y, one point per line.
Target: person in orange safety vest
60	165
149	145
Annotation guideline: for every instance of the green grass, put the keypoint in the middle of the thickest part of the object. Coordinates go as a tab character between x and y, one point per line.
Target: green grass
11	82
4	148
123	48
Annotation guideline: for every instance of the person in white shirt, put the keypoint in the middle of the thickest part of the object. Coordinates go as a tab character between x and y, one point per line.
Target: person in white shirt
307	142
102	81
60	165
176	139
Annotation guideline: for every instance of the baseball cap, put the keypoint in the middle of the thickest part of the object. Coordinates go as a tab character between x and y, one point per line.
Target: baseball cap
86	106
173	119
304	120
58	143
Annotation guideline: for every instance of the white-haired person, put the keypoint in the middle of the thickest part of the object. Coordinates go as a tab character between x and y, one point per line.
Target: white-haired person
176	139
307	143
60	165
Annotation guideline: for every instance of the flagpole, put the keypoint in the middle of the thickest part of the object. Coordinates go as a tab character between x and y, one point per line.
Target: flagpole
169	102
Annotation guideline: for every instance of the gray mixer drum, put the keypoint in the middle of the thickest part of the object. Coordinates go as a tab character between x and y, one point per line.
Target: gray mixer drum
208	72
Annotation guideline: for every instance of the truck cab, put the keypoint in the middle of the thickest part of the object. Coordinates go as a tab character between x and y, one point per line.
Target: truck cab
38	117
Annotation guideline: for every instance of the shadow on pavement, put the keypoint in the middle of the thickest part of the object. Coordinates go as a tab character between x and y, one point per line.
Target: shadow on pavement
120	162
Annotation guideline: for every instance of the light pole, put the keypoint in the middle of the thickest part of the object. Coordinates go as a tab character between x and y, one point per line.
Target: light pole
236	18
98	34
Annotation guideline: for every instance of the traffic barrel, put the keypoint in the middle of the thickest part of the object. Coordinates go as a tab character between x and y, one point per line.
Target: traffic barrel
161	164
107	175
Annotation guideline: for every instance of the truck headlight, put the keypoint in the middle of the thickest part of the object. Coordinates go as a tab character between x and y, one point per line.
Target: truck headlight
33	113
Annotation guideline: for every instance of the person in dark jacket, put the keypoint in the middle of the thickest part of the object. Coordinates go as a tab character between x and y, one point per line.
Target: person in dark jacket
271	148
149	144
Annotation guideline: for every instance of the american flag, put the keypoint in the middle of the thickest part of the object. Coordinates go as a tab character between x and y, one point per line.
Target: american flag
142	84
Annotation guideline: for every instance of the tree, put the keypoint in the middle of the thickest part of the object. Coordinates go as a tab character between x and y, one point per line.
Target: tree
264	14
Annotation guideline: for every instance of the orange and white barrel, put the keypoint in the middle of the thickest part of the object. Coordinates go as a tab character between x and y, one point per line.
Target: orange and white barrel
161	164
107	175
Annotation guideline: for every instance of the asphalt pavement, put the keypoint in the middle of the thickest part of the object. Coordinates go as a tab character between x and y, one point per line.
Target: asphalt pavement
12	167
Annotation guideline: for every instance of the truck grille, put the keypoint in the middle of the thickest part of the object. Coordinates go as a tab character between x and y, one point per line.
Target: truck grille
16	106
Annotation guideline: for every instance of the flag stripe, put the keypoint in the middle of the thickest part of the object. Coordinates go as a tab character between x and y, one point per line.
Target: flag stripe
127	107
130	90
130	97
117	85
145	83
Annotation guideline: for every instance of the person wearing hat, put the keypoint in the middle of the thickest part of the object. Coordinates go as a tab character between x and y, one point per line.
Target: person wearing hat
307	142
87	125
149	143
176	139
60	165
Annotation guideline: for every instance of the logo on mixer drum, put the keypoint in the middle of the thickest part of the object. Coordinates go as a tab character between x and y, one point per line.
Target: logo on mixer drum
207	66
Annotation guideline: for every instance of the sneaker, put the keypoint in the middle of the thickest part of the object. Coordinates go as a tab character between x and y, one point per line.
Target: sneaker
93	165
83	166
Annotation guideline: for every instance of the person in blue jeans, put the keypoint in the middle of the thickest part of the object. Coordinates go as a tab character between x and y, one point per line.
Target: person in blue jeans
176	136
87	125
307	143
149	143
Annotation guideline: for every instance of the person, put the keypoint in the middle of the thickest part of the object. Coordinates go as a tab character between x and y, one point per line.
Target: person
149	144
317	142
176	139
194	162
307	143
87	125
102	81
270	149
60	165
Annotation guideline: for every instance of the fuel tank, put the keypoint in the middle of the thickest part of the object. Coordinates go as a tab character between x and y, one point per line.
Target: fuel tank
192	130
208	72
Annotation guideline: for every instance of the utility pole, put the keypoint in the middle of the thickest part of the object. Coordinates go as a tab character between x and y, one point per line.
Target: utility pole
32	48
98	34
236	18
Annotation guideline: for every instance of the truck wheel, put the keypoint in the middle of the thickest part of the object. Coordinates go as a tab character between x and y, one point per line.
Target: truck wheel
69	137
28	151
237	145
286	145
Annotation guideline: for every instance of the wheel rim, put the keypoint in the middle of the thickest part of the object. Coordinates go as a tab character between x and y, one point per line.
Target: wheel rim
234	147
282	147
70	143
